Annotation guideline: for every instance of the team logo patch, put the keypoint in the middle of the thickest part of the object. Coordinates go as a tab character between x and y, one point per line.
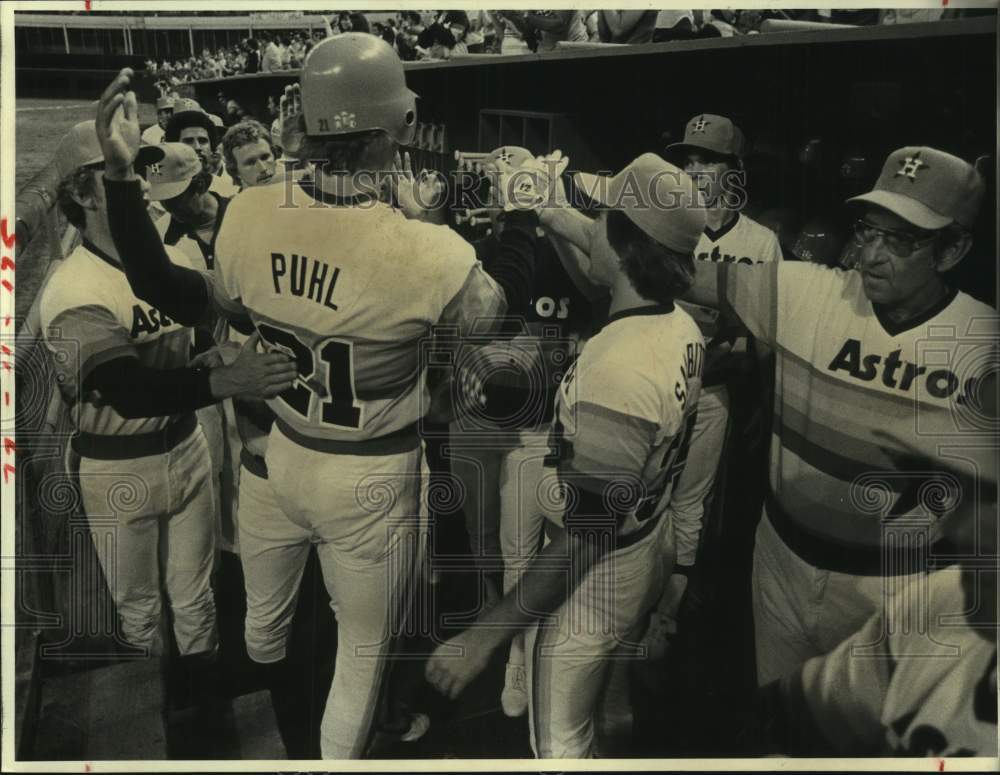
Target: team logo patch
154	168
345	120
700	124
910	166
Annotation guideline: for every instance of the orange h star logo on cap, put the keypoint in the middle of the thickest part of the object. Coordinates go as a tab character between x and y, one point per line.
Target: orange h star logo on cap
910	166
700	124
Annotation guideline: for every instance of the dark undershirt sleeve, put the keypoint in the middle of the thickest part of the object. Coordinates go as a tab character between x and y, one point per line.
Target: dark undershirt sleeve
180	292
134	390
513	265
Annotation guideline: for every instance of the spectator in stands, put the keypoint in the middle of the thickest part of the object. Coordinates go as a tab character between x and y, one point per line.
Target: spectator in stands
389	32
284	51
248	154
411	28
445	37
252	63
164	110
626	26
549	28
270	56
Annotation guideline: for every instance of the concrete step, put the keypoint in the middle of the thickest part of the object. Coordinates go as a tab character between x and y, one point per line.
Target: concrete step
257	727
113	712
244	728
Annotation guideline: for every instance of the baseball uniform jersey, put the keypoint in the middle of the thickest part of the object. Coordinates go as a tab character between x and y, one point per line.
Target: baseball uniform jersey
918	681
90	316
350	292
622	418
843	373
741	241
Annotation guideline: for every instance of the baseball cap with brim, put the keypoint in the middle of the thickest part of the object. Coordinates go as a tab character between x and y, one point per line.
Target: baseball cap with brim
929	188
164	102
170	170
658	197
709	132
80	147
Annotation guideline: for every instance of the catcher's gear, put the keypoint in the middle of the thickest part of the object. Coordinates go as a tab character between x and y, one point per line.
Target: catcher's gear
354	83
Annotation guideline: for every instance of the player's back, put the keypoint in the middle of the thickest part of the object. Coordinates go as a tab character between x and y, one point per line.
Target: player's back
625	407
350	291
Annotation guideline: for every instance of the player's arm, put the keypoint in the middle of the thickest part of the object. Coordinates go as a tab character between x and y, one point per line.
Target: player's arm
134	390
513	266
601	471
552	575
180	292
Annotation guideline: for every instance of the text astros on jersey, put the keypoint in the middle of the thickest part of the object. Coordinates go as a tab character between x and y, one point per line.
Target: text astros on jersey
311	290
624	411
89	302
844	376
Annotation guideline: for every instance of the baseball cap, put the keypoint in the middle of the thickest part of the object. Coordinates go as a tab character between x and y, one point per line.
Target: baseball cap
164	102
658	197
169	170
709	132
927	187
80	147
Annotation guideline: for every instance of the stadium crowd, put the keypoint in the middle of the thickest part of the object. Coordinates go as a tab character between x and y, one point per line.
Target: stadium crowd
749	315
429	35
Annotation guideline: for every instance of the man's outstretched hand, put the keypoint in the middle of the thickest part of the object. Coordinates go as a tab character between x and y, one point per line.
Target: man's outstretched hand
454	664
118	126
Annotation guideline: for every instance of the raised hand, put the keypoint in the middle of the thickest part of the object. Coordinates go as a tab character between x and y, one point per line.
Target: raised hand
290	108
418	196
118	126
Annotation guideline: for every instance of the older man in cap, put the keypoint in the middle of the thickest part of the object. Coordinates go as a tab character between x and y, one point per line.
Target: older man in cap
164	110
124	371
623	415
890	350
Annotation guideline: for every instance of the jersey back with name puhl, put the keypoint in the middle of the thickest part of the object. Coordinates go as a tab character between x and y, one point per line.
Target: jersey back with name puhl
350	292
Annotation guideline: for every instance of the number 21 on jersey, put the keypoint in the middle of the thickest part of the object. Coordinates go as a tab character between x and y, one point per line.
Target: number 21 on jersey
336	397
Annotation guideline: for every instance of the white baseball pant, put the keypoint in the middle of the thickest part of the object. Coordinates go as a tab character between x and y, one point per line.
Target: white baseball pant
801	611
366	516
573	658
149	516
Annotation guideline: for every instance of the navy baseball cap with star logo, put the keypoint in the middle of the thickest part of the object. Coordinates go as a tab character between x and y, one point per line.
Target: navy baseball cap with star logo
709	132
929	188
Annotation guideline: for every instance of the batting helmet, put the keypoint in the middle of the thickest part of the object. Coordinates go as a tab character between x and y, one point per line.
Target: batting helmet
354	82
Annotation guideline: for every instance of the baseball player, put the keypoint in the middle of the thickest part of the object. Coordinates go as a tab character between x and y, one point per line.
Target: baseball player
248	154
192	225
891	346
164	110
501	506
919	679
622	418
343	456
123	369
712	154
